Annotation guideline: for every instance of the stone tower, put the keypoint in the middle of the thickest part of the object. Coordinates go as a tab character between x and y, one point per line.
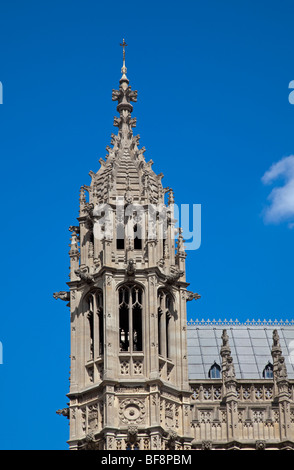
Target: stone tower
129	384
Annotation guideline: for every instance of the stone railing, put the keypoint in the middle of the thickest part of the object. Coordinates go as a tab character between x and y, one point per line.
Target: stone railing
240	323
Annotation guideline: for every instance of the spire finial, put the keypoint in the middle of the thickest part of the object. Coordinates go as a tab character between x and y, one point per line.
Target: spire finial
124	69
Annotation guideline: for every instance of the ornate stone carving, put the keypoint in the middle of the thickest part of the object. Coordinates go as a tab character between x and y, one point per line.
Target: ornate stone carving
260	445
230	369
132	410
62	295
171	439
192	296
281	370
132	433
206	445
138	367
84	275
175	274
92	417
276	339
90	443
131	268
63	412
124	367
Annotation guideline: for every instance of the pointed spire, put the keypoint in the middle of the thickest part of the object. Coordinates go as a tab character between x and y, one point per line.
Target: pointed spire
125	156
124	95
124	68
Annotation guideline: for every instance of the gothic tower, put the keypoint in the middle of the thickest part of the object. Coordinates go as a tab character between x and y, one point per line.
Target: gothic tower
129	385
129	376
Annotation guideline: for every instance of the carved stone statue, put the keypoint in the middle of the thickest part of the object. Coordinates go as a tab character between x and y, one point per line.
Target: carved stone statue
282	371
130	269
225	339
276	339
181	248
230	369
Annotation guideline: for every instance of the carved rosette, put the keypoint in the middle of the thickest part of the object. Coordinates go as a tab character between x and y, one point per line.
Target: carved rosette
132	411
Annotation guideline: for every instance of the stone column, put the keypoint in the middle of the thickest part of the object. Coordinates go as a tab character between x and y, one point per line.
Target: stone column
152	340
111	328
232	409
283	398
276	354
225	352
229	391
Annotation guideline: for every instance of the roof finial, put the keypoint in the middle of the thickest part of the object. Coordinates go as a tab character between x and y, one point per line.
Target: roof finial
124	69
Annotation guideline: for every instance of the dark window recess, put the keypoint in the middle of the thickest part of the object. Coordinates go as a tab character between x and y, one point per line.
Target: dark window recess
137	237
120	237
215	371
268	371
91	326
124	328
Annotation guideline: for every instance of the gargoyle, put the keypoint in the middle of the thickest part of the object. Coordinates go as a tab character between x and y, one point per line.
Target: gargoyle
174	275
63	412
84	275
62	295
191	296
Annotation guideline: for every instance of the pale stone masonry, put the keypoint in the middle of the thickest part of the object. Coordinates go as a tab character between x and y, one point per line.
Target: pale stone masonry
135	383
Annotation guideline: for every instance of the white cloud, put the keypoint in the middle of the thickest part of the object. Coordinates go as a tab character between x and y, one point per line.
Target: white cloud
281	198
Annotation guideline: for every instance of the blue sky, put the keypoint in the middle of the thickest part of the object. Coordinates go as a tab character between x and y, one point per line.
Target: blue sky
214	115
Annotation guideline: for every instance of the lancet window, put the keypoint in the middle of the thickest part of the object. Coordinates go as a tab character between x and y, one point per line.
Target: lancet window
94	324
130	318
165	312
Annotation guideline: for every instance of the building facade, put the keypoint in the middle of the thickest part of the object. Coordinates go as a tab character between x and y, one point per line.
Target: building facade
138	378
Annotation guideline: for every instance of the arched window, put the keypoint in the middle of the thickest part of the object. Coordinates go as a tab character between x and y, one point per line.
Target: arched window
94	316
165	311
268	372
215	371
130	318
